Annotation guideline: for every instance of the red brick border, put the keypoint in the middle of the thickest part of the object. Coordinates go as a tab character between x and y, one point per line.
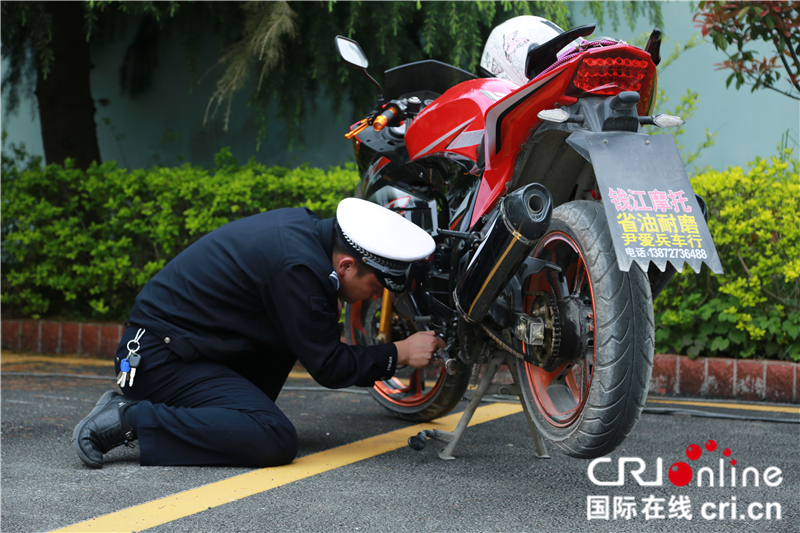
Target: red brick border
11	334
665	375
673	375
781	382
691	376
90	339
70	337
742	379
98	340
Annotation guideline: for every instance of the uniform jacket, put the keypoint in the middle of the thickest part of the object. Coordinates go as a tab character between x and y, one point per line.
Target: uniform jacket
260	285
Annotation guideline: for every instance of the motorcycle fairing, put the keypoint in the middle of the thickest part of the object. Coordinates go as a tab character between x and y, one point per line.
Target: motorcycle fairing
453	136
651	208
452	124
508	125
458	113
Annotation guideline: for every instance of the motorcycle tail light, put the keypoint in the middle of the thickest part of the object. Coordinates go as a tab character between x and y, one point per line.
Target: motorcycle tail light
610	71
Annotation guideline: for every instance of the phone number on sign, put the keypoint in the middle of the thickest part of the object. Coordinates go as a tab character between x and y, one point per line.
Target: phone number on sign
669	253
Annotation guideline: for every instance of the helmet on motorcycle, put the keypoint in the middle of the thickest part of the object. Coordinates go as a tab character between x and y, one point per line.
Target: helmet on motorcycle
507	47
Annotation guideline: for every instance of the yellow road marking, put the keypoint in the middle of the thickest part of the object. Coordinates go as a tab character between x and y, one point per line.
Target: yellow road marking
726	405
18	358
197	500
9	358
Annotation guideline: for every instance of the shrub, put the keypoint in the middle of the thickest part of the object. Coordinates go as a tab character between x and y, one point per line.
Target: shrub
754	308
82	244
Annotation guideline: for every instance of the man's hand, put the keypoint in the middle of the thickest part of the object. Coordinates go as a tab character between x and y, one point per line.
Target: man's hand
417	350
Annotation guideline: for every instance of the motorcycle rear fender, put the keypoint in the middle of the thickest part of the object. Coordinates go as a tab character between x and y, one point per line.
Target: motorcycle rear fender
652	211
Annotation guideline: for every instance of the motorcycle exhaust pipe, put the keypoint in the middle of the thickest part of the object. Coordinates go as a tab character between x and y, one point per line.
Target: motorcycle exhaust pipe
523	219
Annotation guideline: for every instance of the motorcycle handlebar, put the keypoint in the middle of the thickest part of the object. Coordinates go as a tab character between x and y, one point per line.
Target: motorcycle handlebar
384	118
358	129
378	123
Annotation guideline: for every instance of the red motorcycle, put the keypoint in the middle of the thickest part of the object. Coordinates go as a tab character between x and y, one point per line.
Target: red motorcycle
557	222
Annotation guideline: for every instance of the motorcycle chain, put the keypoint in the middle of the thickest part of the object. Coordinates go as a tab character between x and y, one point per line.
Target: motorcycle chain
555	349
500	342
551	302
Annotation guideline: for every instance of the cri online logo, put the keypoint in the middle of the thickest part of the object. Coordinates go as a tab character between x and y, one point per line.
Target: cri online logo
681	474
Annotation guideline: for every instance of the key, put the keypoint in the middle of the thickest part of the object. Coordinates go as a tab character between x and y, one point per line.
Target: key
124	368
133	361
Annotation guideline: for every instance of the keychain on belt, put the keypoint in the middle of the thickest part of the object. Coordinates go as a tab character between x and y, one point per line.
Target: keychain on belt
127	366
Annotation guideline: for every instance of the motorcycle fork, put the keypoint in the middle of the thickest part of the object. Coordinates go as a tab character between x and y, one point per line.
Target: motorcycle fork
385	327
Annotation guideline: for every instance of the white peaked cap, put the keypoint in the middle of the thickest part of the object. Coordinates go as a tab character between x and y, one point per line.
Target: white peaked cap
383	232
382	239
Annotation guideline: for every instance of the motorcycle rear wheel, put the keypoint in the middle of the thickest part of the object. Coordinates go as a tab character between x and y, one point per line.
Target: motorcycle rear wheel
588	405
417	395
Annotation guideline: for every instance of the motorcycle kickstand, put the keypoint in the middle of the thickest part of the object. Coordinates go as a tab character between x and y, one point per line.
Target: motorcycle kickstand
452	437
419	440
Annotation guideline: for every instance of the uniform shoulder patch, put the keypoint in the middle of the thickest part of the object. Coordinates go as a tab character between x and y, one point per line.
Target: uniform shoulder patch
333	277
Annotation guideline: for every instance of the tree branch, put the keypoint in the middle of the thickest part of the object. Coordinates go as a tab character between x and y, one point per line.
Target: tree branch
794	79
754	79
749	275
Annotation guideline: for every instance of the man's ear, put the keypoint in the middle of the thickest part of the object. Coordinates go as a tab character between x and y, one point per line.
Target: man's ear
345	263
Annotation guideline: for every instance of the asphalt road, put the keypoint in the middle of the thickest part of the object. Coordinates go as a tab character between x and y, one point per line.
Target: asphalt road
495	484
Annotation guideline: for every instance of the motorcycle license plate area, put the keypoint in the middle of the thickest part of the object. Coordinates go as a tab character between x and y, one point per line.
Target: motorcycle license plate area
650	205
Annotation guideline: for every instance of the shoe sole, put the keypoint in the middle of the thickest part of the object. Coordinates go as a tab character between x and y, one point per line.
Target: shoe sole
104	399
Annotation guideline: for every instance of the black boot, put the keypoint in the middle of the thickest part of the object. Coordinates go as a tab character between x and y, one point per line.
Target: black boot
104	429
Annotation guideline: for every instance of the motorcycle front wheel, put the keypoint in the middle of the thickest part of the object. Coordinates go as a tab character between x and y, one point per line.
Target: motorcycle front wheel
591	400
418	395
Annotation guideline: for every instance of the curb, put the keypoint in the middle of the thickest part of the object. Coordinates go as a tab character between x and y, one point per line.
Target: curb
673	375
741	379
39	336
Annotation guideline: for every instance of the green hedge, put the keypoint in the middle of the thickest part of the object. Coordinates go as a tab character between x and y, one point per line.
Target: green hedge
753	310
82	244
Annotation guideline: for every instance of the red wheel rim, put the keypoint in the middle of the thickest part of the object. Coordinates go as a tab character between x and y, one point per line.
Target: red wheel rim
422	384
561	394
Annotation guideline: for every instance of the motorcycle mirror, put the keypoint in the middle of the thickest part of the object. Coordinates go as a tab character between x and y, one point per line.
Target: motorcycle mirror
351	52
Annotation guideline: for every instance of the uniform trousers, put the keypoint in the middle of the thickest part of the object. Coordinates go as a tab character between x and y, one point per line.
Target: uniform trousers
209	413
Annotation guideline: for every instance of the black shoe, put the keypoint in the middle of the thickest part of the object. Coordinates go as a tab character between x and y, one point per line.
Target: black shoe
103	430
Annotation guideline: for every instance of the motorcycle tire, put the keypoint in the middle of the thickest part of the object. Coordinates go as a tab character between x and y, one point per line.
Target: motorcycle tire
587	406
417	395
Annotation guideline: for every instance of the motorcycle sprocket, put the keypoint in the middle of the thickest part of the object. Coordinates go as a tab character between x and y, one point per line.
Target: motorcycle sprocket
545	356
546	308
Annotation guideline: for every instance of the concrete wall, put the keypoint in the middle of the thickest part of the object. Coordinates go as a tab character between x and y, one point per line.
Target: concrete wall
165	125
748	124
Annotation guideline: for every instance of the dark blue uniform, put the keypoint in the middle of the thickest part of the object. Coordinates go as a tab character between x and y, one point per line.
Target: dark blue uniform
226	320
